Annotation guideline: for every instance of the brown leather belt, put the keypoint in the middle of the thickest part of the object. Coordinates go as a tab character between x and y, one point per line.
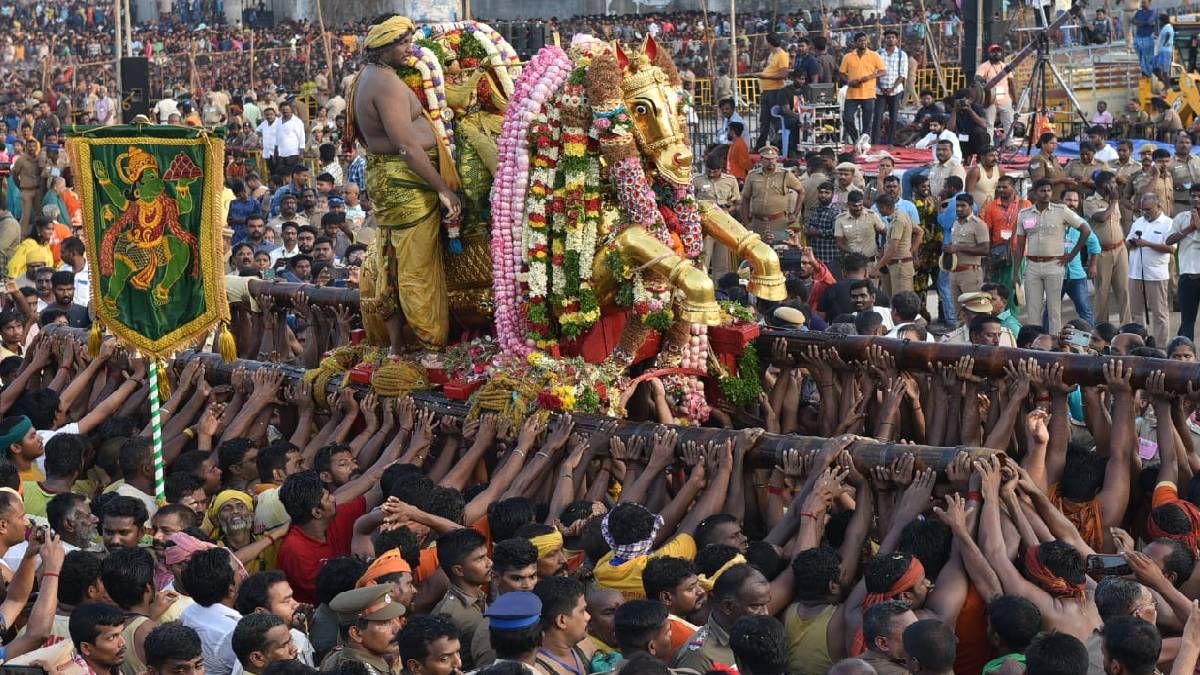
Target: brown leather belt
1111	247
965	268
1041	258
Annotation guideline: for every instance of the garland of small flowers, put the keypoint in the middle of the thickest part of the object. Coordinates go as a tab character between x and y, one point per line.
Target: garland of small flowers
538	80
579	308
541	206
424	61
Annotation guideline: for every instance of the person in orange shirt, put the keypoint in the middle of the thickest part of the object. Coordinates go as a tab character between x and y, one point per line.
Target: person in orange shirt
1000	215
739	153
771	82
861	70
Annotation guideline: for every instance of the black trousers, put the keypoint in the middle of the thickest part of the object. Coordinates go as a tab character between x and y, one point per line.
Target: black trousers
891	105
766	101
1189	301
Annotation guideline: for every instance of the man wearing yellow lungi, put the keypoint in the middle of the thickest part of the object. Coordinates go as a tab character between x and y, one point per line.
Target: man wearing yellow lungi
410	179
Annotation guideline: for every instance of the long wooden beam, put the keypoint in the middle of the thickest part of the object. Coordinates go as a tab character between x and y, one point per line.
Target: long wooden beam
1082	369
768	451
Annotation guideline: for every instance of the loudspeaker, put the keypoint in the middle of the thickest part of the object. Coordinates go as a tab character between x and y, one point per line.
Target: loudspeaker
135	88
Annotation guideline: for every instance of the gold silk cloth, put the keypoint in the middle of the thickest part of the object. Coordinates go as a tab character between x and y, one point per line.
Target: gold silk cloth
408	251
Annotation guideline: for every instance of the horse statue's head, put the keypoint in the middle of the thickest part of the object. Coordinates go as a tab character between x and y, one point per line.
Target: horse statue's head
656	100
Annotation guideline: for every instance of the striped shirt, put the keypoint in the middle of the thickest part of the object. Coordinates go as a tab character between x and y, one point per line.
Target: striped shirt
896	65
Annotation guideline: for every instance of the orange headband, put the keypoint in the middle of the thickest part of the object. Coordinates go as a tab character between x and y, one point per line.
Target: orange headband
1049	581
388	563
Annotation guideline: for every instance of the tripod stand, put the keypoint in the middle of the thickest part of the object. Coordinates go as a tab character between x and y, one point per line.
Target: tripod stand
1034	93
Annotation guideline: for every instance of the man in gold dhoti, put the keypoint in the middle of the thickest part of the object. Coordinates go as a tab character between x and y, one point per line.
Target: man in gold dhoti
410	178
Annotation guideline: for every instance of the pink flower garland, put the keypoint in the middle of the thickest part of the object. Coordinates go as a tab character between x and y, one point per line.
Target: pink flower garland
538	82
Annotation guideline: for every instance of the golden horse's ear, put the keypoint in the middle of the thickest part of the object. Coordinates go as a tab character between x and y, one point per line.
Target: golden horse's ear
650	47
622	59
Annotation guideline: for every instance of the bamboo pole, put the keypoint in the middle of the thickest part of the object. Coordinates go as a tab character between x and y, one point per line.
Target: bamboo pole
252	34
710	39
325	44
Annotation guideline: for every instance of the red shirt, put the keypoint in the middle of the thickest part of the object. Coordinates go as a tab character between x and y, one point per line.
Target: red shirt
301	556
822	279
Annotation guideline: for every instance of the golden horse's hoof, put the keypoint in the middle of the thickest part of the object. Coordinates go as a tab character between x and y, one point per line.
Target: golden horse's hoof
768	287
707	314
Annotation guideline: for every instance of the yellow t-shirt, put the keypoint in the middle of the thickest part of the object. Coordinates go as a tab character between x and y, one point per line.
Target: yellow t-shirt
627	577
855	67
777	66
33	473
35	498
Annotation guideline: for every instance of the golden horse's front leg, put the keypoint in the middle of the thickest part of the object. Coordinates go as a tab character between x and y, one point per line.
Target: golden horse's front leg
766	279
641	249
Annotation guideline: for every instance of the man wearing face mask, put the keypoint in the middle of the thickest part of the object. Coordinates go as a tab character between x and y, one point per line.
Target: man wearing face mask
765	196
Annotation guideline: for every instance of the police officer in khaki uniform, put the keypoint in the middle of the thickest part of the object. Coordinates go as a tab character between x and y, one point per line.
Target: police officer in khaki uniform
1129	189
1044	165
1105	215
854	231
766	195
1185	172
1041	231
971	305
903	238
721	189
969	242
368	620
818	172
1083	168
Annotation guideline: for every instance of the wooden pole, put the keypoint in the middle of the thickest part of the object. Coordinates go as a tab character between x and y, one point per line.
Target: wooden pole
252	34
733	49
710	38
768	451
325	44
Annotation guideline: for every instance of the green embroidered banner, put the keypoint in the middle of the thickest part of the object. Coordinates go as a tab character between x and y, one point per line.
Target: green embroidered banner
152	229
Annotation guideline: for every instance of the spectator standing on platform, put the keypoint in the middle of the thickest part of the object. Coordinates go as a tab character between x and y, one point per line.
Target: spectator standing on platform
861	69
891	87
1144	22
771	82
1001	109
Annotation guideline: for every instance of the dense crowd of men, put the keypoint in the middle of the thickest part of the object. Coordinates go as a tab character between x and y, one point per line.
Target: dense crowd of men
355	533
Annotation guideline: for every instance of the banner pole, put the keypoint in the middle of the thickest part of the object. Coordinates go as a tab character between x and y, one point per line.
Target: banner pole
156	434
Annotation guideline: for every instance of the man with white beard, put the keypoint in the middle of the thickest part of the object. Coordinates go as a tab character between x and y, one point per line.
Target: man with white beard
232	516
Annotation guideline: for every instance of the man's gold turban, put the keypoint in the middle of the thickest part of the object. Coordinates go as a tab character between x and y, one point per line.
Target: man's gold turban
387	32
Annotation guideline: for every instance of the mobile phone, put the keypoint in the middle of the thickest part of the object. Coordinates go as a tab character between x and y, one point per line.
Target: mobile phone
269	273
1108	565
1079	338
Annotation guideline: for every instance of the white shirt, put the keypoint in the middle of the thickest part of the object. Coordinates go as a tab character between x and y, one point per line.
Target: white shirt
215	626
723	132
1155	264
895	65
165	108
127	490
289	137
1189	246
83	285
1107	154
268	131
930	141
885	314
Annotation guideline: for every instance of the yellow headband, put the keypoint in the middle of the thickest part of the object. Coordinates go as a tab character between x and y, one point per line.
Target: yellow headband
707	583
547	543
223	498
387	32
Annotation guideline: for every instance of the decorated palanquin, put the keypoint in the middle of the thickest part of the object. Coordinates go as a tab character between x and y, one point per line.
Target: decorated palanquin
582	235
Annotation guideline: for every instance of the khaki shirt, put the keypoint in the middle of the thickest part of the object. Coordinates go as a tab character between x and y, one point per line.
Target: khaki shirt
1110	232
25	172
860	232
1183	176
901	231
962	336
374	664
1043	166
938	173
1046	230
1125	171
708	645
969	232
1162	186
810	183
723	191
767	194
1083	172
466	613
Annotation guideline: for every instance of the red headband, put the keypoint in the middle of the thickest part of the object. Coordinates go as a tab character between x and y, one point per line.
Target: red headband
1049	581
